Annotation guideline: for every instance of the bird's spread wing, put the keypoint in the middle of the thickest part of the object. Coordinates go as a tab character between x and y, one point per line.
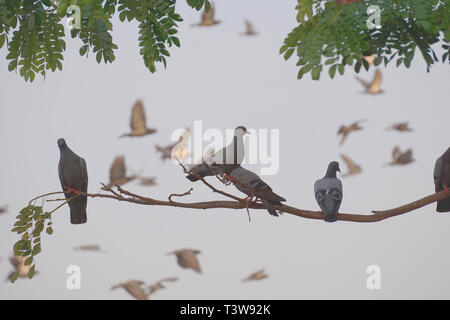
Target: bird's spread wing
406	156
363	82
376	82
14	261
396	153
249	27
117	170
138	120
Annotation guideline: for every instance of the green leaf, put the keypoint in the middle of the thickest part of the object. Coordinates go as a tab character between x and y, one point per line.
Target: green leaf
31	272
332	70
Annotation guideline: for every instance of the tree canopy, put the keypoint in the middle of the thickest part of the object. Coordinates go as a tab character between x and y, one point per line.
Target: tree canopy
330	33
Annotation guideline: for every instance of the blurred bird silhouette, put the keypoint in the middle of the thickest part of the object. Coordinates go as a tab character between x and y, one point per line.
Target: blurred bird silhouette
345	130
89	247
370	59
249	29
258	275
208	18
118	171
134	288
374	86
352	167
147	182
401	158
187	258
442	180
401	126
18	262
138	122
159	285
177	149
3	210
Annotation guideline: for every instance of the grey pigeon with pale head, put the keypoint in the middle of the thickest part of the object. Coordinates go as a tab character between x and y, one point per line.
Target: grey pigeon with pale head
442	180
134	288
223	161
73	176
252	185
328	192
187	258
138	122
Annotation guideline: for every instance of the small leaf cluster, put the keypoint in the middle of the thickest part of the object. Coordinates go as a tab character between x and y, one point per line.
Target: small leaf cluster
30	223
337	36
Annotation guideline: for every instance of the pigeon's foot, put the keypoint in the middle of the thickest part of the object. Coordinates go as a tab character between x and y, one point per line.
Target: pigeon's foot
229	178
75	191
446	188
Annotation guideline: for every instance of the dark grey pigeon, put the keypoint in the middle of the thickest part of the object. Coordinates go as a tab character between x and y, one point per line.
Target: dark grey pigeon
252	185
328	192
442	180
224	160
73	175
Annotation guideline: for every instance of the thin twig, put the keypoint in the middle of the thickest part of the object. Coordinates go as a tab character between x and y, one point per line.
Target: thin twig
180	194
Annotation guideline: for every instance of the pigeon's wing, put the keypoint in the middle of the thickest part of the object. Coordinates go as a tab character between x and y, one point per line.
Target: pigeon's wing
208	16
14	261
377	78
351	165
406	156
188	259
396	153
169	279
438	168
344	137
84	175
117	170
249	27
363	82
134	288
138	120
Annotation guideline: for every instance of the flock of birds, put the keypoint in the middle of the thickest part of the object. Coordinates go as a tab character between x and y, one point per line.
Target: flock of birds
226	165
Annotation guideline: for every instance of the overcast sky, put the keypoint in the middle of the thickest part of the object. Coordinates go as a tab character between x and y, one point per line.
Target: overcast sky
225	80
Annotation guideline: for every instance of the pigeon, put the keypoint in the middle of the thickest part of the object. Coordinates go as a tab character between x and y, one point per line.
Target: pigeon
187	258
353	168
3	210
208	18
374	86
177	149
258	275
89	247
117	173
18	262
328	192
345	130
74	178
252	185
249	29
138	122
223	161
401	126
401	158
133	287
151	181
442	180
159	285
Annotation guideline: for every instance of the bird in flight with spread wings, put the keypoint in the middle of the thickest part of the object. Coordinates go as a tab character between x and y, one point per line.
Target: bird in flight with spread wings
258	275
138	122
372	87
352	167
208	18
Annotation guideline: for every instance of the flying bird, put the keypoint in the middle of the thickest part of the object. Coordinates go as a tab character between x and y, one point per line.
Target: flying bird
328	192
89	247
223	161
258	275
74	179
18	262
442	180
151	181
3	209
138	122
401	126
370	59
208	18
159	285
253	186
353	168
401	158
134	288
249	29
187	258
177	149
118	173
346	130
374	86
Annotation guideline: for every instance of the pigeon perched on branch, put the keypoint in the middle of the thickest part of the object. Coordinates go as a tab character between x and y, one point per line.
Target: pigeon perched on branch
253	186
328	192
442	180
224	160
74	179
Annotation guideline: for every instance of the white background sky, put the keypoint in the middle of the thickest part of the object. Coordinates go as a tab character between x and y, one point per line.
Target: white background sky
227	80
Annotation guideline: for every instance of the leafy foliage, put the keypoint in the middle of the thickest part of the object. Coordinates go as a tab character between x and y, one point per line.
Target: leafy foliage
31	221
334	35
33	30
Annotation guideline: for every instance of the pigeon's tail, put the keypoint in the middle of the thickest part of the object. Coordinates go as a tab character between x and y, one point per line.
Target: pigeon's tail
443	205
270	207
330	216
193	177
78	210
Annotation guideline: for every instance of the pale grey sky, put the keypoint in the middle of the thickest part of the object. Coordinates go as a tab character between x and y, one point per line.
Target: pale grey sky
227	80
